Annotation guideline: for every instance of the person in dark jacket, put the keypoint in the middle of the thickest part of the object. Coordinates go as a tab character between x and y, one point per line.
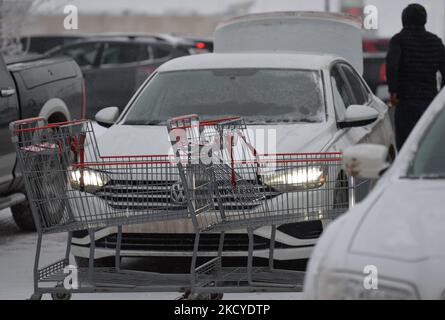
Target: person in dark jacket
414	58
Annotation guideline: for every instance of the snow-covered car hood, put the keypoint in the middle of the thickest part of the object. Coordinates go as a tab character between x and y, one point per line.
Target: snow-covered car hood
406	222
141	140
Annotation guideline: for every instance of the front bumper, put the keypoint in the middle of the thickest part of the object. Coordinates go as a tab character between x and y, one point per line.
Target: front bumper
293	241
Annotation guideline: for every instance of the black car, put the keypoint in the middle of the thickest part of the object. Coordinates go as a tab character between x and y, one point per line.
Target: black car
115	66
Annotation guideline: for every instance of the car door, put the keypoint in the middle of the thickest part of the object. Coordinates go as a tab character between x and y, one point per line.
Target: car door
119	65
159	54
86	54
343	98
362	96
8	112
347	91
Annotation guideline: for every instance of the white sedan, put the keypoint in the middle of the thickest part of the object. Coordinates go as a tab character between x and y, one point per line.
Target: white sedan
305	99
304	102
392	245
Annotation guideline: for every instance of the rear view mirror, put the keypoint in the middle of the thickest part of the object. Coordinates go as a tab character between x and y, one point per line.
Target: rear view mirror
358	116
367	161
108	116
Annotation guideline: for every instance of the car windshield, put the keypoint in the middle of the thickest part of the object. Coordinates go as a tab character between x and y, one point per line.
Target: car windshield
260	96
429	160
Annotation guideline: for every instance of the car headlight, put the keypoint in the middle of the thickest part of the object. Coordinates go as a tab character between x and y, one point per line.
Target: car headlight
86	179
296	179
346	286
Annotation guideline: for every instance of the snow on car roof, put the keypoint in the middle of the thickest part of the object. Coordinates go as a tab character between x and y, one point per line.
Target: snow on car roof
338	17
278	60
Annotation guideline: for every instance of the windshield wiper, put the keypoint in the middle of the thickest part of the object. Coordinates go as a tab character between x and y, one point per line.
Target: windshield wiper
143	123
153	122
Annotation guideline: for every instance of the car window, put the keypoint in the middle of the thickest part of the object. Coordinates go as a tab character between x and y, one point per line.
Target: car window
161	52
361	94
342	96
84	54
119	53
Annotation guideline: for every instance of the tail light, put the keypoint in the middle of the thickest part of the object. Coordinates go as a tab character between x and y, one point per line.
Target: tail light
200	45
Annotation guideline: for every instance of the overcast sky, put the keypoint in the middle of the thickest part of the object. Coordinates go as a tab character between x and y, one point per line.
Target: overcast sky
389	11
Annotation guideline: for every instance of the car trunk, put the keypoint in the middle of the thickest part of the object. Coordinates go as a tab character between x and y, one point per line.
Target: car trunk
318	32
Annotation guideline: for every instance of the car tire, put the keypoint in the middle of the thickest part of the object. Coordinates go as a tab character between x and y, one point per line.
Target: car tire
61	296
107	262
22	215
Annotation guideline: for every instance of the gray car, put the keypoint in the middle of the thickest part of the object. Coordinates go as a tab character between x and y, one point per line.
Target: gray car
115	66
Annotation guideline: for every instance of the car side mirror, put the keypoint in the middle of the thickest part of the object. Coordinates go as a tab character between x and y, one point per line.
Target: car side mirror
358	116
367	161
107	117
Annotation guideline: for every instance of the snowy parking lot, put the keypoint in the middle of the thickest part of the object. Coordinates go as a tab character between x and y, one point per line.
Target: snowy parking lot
17	250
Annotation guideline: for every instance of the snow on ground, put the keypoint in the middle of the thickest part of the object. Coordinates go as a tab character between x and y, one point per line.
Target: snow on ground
17	251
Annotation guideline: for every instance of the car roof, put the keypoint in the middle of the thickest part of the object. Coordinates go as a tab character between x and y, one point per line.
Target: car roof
140	37
273	59
126	39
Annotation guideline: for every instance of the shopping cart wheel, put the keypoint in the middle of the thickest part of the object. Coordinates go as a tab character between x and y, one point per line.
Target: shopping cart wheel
36	296
202	296
217	296
61	296
22	215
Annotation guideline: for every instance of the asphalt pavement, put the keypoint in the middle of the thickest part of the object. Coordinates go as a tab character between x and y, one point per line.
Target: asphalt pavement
17	252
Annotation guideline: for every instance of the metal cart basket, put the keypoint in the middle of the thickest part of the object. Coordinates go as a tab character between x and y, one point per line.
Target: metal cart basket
228	186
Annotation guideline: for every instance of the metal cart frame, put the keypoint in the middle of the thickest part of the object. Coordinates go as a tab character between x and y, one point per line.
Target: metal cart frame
68	153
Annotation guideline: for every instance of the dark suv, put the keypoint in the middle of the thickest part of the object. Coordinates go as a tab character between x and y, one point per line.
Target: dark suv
115	66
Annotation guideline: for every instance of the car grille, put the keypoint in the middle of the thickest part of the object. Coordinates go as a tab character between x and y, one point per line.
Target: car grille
184	242
139	195
157	195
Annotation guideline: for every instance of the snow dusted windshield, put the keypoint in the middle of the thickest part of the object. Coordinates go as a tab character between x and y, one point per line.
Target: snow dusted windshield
429	161
260	96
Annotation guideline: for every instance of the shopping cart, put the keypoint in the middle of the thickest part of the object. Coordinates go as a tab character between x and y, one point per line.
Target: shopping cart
217	160
228	186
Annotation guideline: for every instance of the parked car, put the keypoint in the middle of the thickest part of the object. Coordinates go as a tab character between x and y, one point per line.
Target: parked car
49	88
114	66
314	102
397	232
375	51
41	44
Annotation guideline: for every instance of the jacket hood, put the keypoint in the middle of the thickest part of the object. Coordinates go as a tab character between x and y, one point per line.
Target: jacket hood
414	16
